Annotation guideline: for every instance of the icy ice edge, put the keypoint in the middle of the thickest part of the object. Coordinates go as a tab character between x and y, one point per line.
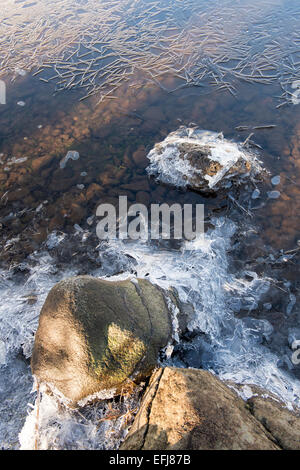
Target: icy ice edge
199	273
169	167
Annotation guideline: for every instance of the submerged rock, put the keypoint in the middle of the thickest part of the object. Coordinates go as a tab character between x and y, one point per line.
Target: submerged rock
255	194
189	409
275	180
201	160
94	334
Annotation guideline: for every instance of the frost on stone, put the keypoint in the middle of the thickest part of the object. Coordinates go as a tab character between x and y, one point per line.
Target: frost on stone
201	160
71	155
52	425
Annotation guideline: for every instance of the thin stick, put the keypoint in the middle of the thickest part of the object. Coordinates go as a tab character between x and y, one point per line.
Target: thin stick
36	432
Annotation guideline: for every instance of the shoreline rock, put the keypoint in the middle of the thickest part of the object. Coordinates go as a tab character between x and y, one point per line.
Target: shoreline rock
94	335
189	409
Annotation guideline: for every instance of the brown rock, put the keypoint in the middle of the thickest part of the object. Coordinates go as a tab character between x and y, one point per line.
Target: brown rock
160	191
56	222
106	179
201	160
139	157
116	192
40	235
18	194
188	409
38	163
92	191
76	213
106	199
127	161
284	425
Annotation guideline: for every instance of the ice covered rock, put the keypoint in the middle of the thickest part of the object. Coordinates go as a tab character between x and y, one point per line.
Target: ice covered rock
275	180
273	194
255	194
94	334
201	160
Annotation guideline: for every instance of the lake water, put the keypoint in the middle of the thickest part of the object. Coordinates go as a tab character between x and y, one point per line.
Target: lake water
109	80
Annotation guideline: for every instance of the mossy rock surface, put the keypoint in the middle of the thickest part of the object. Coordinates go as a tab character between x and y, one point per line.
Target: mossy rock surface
94	334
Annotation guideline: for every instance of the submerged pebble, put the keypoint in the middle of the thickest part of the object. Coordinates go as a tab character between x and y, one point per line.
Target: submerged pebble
201	160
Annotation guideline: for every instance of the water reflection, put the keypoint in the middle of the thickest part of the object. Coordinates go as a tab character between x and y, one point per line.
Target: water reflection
214	43
113	138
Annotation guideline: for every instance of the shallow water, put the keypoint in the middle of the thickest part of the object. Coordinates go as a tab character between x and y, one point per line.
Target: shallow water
238	65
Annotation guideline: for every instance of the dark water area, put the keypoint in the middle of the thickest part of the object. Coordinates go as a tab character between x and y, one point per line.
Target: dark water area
113	139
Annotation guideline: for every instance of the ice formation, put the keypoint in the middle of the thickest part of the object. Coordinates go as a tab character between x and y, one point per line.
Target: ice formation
201	160
233	348
198	43
51	425
71	155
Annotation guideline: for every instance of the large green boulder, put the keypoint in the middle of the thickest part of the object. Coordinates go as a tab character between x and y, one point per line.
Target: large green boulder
94	335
